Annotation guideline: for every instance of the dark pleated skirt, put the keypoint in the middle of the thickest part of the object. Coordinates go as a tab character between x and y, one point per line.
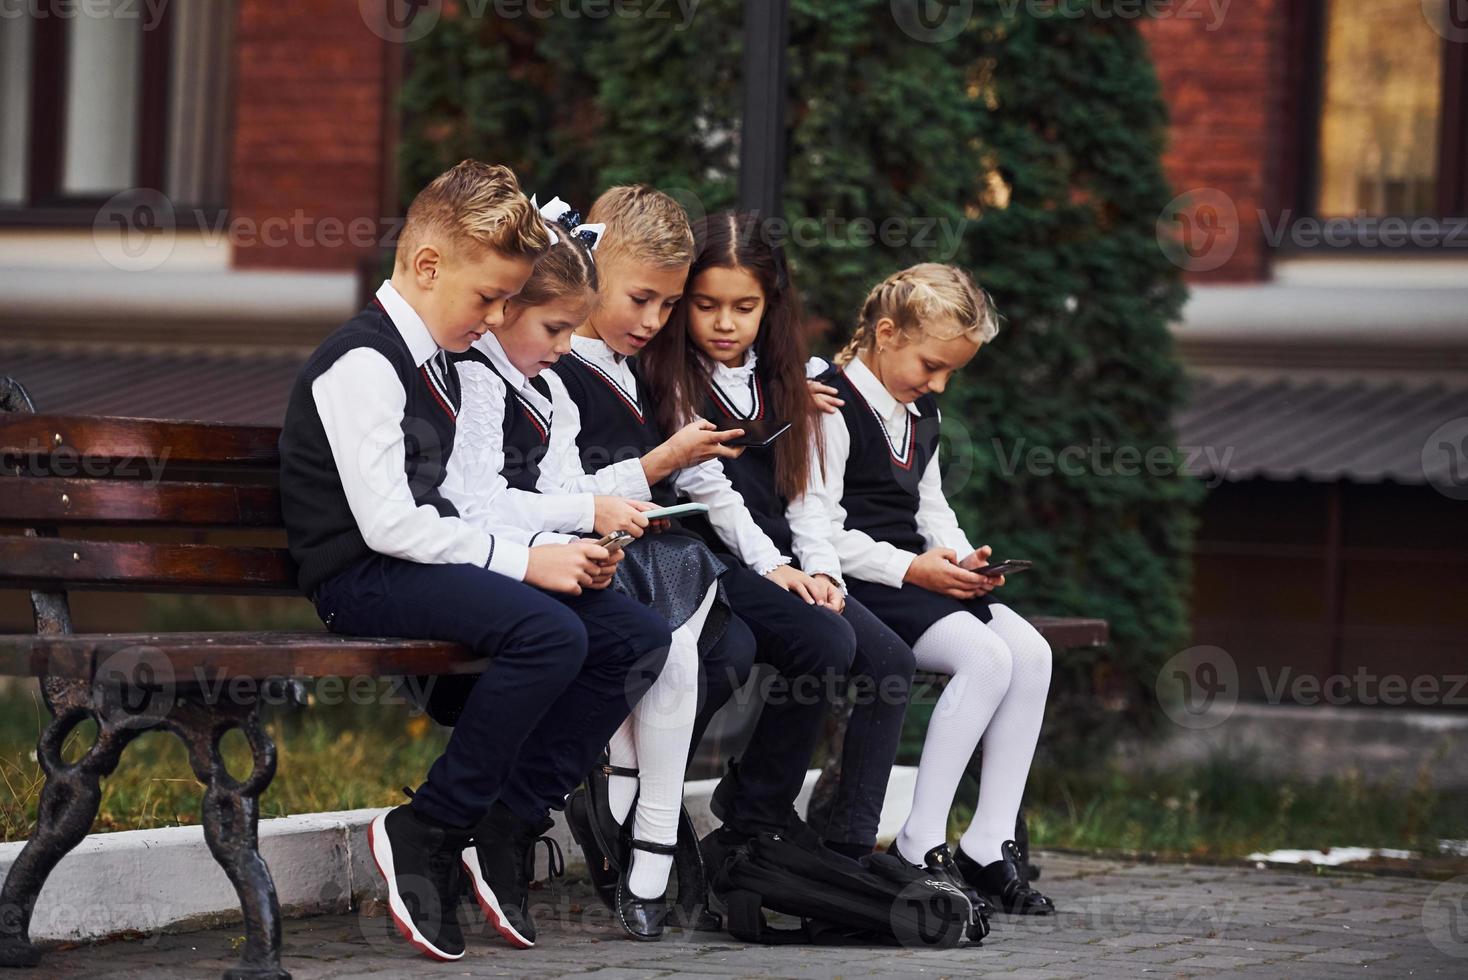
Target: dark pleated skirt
671	573
910	610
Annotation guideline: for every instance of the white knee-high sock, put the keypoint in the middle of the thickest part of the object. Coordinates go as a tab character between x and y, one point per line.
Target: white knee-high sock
663	725
979	666
622	751
1009	743
622	747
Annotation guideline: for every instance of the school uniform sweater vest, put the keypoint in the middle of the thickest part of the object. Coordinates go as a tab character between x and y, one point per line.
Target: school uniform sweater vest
322	533
752	474
525	431
881	480
614	426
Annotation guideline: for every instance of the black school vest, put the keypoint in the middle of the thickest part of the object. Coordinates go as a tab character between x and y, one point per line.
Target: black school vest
881	481
320	529
752	473
614	424
525	434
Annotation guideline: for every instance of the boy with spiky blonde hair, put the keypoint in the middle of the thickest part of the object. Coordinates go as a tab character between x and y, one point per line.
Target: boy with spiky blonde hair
382	552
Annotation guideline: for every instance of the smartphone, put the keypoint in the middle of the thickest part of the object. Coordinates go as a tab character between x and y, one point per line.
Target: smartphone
1009	567
679	510
615	541
757	432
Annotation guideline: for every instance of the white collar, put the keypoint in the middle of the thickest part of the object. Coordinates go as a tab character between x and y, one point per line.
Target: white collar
728	376
875	393
489	345
410	325
596	349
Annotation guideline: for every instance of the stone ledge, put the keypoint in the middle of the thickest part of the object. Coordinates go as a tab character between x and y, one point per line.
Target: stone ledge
165	880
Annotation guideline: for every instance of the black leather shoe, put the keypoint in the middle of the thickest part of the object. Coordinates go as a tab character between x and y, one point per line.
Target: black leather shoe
1003	883
692	912
598	864
939	865
643	918
611	837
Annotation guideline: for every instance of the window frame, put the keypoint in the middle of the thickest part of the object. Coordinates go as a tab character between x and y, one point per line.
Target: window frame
1304	107
45	204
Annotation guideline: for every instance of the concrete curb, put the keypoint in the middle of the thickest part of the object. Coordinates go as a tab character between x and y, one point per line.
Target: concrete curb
152	881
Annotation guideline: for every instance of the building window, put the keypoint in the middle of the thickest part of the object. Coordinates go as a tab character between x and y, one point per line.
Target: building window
1381	111
116	97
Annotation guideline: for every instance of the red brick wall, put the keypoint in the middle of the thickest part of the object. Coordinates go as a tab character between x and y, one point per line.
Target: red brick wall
308	138
1228	90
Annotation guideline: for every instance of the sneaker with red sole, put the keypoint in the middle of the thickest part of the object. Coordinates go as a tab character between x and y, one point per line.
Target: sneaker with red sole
421	864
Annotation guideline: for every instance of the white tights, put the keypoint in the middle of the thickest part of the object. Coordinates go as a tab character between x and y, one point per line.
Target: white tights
1000	675
654	739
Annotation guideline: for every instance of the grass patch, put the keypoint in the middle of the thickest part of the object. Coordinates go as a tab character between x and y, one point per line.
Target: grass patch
346	756
1227	809
337	757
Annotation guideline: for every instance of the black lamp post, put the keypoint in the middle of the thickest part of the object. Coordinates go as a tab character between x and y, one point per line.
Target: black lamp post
762	135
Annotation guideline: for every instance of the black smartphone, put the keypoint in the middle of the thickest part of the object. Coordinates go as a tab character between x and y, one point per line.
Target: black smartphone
1009	567
757	432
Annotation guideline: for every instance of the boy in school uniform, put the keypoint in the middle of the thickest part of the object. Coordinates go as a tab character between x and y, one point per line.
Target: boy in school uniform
382	552
612	434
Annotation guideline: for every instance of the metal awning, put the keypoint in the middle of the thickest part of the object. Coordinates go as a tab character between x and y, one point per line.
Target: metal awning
248	387
1321	430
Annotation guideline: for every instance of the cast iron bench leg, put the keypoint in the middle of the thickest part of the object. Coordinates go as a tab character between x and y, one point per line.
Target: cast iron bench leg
68	805
231	816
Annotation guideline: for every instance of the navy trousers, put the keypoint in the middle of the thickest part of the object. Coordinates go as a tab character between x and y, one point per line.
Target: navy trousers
880	685
810	647
566	671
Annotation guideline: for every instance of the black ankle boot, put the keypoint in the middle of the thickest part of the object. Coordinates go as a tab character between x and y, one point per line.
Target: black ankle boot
1004	883
501	865
643	918
420	862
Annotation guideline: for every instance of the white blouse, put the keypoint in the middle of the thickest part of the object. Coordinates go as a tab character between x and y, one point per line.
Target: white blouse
862	556
705	483
809	515
479	454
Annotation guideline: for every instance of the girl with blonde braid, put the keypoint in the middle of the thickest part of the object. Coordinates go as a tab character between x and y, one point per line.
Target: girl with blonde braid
906	559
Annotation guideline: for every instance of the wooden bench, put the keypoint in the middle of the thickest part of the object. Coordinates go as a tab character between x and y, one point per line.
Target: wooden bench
97	503
81	510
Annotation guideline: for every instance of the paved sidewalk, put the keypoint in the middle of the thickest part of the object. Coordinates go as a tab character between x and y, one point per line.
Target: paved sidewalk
1119	920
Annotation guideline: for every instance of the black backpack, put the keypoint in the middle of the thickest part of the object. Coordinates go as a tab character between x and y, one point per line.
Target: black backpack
879	900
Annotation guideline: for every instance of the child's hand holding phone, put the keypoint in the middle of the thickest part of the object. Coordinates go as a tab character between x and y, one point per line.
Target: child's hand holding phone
978	560
939	571
697	442
620	514
571	567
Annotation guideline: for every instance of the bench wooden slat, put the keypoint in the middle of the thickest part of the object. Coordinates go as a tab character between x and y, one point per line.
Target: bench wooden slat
1071	632
186	658
60	563
157	440
49	501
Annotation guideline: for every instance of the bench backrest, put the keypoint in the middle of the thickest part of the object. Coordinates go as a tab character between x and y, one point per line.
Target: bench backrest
122	503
